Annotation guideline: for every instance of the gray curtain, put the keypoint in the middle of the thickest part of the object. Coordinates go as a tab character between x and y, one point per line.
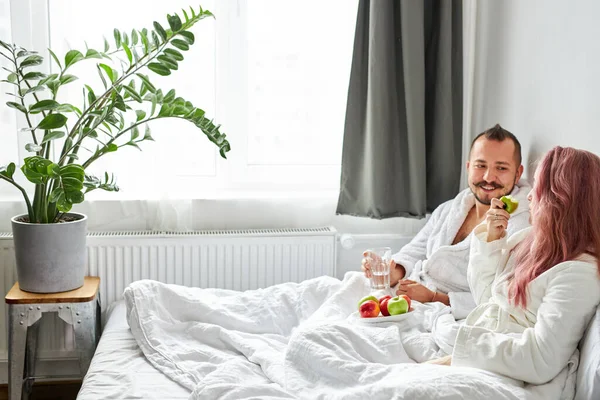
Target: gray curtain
402	137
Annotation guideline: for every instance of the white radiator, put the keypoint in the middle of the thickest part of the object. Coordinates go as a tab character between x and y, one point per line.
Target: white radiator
238	260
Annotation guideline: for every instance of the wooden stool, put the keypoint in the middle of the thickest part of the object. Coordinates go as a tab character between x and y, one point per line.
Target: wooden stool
79	308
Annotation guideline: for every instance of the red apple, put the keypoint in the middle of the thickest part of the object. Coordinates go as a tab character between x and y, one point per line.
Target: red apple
384	297
407	299
383	303
369	309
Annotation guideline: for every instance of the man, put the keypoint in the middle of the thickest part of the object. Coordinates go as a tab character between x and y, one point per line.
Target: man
436	259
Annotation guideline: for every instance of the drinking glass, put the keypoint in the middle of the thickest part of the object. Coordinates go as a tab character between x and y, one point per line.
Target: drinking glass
379	260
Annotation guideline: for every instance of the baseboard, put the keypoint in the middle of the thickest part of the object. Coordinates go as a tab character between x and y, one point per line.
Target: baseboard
55	367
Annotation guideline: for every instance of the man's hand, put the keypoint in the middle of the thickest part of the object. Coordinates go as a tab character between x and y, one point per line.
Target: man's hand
397	271
415	291
497	220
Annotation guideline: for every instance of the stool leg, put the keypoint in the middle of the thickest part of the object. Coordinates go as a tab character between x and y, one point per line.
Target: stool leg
17	344
30	353
84	324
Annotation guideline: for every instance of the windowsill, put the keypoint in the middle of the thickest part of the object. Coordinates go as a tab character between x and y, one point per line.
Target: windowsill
227	210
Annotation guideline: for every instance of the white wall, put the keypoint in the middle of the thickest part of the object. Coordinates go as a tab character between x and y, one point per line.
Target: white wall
537	73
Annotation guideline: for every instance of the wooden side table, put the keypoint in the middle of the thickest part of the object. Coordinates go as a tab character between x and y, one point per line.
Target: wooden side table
79	308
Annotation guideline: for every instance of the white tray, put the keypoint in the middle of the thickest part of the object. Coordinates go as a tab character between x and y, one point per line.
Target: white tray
355	317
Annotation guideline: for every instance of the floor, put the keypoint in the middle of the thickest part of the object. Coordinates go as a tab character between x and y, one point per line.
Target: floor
48	391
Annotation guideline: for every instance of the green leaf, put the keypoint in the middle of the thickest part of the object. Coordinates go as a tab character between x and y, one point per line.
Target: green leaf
91	94
135	133
12	77
73	171
25	53
185	15
109	72
140	115
168	62
170	96
189	36
8	170
180	44
32	61
17	106
111	148
67	79
146	81
131	92
91	53
56	60
44	105
68	108
32	147
53	86
124	38
160	30
72	57
174	54
48	78
52	135
174	22
155	40
147	134
117	35
145	42
134	37
32	76
106	45
154	101
166	111
52	121
33	89
159	69
128	52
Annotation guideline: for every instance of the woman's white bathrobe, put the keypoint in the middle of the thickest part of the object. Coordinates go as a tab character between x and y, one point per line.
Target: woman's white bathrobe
534	344
431	259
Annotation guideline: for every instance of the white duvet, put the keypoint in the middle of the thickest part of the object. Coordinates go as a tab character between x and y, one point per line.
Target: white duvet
303	340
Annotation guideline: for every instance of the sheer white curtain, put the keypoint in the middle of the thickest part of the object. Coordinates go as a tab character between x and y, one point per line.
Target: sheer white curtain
274	73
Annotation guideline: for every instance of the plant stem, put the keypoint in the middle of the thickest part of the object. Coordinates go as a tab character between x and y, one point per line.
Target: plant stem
27	202
129	72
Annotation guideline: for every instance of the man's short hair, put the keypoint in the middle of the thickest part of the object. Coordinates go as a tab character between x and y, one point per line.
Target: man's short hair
500	134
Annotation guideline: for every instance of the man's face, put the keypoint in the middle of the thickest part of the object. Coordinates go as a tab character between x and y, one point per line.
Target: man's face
492	168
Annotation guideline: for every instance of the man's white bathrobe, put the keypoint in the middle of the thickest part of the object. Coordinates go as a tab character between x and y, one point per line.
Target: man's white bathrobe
431	259
536	343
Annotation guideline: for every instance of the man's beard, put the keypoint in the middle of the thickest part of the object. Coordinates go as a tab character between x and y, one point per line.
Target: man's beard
495	185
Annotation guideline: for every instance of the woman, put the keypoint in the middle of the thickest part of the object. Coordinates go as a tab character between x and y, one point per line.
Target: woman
537	289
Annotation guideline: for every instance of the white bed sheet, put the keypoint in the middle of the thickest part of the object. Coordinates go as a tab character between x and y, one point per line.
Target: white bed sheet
119	369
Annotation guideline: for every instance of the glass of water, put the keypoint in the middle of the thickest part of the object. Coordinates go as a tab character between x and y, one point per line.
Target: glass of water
379	261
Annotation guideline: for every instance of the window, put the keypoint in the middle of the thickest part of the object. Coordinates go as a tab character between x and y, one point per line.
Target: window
273	73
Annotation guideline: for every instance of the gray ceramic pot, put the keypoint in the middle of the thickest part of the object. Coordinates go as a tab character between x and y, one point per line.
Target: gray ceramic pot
50	258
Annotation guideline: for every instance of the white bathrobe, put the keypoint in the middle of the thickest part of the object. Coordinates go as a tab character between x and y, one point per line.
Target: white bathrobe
431	259
534	344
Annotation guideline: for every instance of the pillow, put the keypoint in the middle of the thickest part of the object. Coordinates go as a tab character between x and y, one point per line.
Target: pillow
588	374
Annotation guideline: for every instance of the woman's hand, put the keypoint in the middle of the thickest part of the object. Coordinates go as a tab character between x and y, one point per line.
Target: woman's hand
396	270
497	220
415	291
447	360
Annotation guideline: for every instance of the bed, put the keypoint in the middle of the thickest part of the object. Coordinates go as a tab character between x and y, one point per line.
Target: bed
290	341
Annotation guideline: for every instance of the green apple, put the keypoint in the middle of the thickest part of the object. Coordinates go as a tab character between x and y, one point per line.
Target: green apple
397	305
366	298
510	203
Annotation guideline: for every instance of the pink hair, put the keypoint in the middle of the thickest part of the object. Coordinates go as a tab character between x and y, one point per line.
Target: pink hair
565	216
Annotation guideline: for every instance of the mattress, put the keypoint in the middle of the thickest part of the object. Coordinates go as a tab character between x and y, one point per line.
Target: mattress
119	370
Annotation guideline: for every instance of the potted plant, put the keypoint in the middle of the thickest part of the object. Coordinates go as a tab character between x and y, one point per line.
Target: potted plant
67	138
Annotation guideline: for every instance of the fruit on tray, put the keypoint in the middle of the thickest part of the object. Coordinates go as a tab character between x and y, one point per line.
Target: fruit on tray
369	309
397	305
367	298
383	305
510	203
407	299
